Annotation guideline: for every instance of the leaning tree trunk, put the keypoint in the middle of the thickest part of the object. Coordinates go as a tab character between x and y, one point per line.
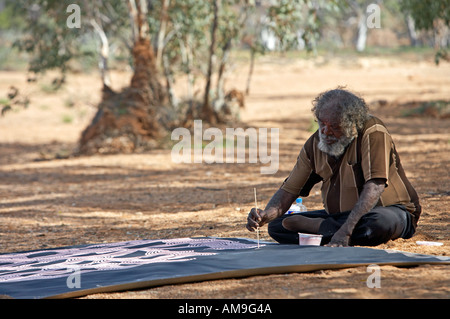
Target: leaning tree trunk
208	113
250	71
126	121
362	33
412	34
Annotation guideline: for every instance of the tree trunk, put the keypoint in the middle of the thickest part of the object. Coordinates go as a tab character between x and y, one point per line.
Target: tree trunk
186	58
362	33
207	110
226	51
169	82
127	121
411	31
104	54
220	75
162	31
250	71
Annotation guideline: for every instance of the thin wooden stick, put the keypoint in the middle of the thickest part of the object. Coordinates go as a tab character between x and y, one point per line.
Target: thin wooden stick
256	207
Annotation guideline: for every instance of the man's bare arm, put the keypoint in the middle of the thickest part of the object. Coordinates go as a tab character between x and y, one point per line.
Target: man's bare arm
278	204
368	198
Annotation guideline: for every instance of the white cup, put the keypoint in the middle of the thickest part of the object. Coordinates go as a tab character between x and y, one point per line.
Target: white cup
309	239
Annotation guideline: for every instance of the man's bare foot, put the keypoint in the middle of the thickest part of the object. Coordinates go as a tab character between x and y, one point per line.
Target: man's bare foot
299	223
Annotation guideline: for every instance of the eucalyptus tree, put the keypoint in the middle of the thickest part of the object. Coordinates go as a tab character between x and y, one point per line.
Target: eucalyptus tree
162	40
431	15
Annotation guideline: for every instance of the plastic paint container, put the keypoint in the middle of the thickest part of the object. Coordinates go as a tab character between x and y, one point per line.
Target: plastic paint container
309	239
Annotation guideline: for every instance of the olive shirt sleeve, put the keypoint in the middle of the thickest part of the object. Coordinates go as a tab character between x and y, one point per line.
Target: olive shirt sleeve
376	151
302	177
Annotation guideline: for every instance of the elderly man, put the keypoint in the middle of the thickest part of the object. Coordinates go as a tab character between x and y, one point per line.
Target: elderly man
367	198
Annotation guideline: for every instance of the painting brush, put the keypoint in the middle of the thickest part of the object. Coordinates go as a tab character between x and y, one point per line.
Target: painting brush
256	207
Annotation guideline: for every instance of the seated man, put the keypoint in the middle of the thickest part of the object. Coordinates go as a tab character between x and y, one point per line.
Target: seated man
367	198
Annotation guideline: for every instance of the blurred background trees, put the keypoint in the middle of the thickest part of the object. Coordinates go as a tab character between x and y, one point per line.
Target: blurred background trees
195	41
431	16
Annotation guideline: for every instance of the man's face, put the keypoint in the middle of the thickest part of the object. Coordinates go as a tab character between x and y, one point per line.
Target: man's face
333	141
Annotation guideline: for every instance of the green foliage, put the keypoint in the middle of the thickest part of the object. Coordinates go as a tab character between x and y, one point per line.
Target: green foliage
291	20
313	125
285	18
13	101
185	29
186	35
8	20
48	41
51	43
438	108
67	119
426	14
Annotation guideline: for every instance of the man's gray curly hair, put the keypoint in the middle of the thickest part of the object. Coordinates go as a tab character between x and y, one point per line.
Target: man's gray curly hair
352	109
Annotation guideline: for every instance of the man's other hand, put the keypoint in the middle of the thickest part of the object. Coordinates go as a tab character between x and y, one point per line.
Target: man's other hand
339	239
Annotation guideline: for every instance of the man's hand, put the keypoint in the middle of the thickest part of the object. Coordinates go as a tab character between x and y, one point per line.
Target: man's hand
278	204
256	218
368	198
340	238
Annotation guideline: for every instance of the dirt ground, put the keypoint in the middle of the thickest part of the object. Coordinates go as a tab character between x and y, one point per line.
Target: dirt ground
50	200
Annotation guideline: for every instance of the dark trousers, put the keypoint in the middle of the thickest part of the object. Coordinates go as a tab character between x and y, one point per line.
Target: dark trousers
378	226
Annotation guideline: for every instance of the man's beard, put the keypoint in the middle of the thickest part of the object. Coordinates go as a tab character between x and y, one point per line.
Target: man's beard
337	148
